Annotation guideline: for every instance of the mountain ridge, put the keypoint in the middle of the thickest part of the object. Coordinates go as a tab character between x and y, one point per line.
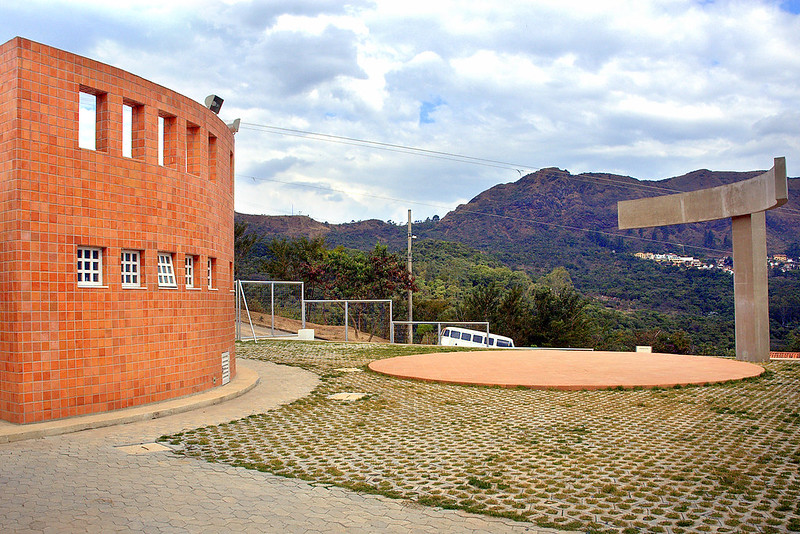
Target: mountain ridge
548	207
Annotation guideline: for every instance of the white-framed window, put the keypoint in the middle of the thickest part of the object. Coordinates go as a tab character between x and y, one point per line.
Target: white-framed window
210	273
188	264
127	130
90	266
130	265
161	136
166	273
87	121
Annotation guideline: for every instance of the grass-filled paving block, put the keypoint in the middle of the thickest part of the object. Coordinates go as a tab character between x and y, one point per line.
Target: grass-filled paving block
719	458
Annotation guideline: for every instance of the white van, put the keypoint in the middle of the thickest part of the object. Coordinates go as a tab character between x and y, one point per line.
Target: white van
464	337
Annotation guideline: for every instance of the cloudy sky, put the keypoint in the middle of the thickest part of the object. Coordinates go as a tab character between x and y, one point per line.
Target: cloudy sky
640	88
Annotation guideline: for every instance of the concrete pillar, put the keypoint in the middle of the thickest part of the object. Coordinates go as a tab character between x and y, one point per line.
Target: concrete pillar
750	286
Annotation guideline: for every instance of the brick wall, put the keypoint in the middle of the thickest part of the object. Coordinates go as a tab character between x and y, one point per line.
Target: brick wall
66	349
784	355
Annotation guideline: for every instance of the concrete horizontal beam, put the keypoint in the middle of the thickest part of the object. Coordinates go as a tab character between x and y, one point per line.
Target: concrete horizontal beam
761	193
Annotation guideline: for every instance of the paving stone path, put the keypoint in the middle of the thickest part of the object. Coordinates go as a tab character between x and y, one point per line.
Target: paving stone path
721	458
115	480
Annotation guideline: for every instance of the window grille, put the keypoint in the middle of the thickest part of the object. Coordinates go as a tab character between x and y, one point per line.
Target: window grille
90	266
129	266
166	273
189	270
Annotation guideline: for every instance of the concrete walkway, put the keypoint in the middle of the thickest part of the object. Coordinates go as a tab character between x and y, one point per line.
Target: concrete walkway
116	479
246	379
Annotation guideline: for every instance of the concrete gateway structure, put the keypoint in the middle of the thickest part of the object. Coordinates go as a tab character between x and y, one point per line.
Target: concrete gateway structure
116	267
746	203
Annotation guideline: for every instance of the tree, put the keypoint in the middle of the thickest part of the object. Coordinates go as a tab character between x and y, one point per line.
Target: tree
242	245
550	313
559	319
709	240
508	312
378	274
558	280
793	250
278	263
339	273
387	276
291	260
793	340
514	314
431	309
481	304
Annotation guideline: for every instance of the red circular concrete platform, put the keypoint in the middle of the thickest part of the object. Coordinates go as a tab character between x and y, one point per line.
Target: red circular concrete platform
564	369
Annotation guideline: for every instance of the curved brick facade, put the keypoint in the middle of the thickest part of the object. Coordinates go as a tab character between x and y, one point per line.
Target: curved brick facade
74	339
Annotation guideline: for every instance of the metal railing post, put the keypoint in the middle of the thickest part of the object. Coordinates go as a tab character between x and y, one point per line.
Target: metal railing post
272	308
236	313
346	324
250	319
303	303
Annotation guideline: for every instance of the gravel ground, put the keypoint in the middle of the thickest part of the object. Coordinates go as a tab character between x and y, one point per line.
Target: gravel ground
721	458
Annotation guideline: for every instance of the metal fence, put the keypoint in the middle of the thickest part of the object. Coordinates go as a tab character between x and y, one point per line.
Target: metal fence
272	308
359	314
269	308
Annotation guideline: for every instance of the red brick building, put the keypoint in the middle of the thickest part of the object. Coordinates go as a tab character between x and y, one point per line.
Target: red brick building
116	266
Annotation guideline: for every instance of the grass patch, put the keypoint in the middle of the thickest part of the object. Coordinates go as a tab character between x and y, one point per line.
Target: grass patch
479	483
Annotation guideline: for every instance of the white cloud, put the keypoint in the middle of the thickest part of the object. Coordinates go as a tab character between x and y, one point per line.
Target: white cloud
648	89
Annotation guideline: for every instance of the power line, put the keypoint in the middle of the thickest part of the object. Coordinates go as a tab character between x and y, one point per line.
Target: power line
377	144
788	211
461	158
347	191
494	215
587	230
388	149
437	154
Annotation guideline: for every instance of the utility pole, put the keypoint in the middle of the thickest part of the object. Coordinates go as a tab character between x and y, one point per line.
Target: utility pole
410	295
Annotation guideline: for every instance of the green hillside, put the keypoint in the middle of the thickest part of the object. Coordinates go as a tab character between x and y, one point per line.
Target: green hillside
513	235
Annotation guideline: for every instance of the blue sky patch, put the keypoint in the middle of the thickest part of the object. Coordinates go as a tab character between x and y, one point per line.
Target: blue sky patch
792	6
427	108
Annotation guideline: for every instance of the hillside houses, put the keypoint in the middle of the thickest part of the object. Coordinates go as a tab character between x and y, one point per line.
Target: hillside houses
777	261
686	261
